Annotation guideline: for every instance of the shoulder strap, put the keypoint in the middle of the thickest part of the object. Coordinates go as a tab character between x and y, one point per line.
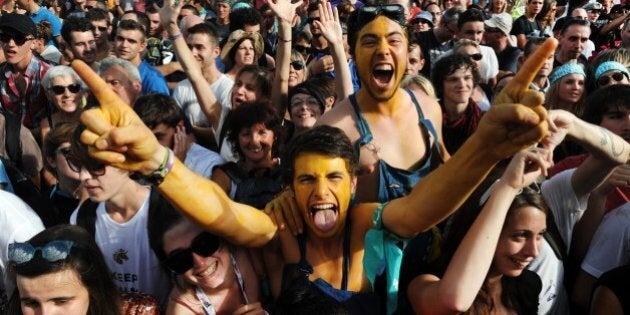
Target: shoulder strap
234	172
12	127
554	239
415	103
86	217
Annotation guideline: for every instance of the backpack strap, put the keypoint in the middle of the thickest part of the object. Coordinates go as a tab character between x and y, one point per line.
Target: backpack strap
86	217
12	128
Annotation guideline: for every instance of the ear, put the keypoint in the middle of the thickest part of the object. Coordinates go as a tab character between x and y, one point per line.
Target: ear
180	124
51	162
353	184
137	85
216	52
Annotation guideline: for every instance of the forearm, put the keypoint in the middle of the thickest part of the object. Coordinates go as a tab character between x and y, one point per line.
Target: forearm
613	24
586	227
600	142
343	79
469	265
280	92
208	206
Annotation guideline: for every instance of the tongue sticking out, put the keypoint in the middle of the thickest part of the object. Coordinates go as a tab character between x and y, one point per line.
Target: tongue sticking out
325	219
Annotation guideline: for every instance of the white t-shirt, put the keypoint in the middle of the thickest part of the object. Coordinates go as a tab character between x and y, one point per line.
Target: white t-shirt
18	223
128	254
489	66
202	161
610	246
185	96
567	209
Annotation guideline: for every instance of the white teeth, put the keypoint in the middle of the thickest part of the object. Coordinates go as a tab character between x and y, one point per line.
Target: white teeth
383	67
323	206
210	270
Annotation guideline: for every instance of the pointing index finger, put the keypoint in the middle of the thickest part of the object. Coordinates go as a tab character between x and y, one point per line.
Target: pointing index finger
526	74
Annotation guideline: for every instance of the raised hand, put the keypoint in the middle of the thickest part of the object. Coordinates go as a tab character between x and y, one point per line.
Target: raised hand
115	134
517	119
284	9
329	23
525	167
169	12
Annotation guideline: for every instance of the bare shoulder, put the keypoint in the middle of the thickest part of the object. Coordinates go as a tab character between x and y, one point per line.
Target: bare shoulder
342	116
361	216
430	106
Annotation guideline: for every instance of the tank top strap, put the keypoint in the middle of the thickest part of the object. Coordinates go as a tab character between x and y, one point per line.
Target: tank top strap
239	278
206	305
364	129
415	103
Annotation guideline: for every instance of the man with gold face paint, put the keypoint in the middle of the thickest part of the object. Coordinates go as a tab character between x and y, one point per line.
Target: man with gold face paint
344	243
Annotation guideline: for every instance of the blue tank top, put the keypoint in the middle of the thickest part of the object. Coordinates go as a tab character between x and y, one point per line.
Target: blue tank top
394	182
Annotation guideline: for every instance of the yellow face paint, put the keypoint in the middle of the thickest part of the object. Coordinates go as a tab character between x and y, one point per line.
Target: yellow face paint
381	57
323	189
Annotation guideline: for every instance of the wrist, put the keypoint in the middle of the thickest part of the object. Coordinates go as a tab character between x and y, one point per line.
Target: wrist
156	177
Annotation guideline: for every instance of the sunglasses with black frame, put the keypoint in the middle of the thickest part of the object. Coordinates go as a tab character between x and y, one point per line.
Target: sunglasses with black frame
19	39
60	89
181	260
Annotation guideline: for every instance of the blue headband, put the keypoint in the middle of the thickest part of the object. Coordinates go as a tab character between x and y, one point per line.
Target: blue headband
610	65
564	70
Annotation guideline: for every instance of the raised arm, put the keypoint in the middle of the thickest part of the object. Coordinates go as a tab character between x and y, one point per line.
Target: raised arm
467	270
285	12
115	135
516	121
207	99
330	26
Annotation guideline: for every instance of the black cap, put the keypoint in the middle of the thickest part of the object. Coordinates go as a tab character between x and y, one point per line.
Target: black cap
19	23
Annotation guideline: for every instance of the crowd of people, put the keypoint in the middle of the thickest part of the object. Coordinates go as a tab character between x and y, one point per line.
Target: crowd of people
314	157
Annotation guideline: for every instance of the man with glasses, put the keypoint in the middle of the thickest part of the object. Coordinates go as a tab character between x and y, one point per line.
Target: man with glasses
38	13
605	26
102	28
21	90
79	39
471	26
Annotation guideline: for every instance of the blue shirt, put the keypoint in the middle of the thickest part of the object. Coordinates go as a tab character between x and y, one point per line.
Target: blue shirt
44	15
152	80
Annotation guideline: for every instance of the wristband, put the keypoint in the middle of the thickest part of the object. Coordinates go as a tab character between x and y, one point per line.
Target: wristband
174	37
284	40
157	177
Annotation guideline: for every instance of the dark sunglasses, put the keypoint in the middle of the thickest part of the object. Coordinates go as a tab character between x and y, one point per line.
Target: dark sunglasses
57	250
395	12
18	39
101	28
313	19
297	65
302	49
476	57
181	259
60	89
605	80
95	169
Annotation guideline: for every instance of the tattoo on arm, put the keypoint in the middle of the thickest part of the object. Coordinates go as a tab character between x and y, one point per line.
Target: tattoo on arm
607	137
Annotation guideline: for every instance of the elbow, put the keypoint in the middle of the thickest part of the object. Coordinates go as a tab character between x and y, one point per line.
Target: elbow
454	303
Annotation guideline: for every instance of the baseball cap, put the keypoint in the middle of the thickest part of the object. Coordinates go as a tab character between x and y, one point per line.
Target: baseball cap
502	21
19	23
593	6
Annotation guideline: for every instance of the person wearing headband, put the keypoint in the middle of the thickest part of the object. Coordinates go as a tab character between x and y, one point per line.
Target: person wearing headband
566	88
611	73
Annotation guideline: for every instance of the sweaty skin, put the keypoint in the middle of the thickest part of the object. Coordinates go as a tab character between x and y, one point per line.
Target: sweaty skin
116	135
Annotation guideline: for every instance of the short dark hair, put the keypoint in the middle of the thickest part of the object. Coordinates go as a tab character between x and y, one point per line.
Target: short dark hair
243	17
203	28
470	15
143	22
571	21
262	77
85	259
602	100
192	8
60	133
249	114
447	66
75	25
98	14
327	140
131	25
532	44
43	30
155	109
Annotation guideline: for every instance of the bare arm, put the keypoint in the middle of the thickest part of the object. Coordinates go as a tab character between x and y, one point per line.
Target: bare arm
467	270
613	24
207	100
516	121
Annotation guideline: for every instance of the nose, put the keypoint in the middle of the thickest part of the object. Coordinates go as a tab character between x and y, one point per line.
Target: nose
383	46
321	188
198	261
531	248
84	174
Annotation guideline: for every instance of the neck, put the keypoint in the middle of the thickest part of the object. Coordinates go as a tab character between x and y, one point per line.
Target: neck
223	21
500	46
21	66
319	42
211	73
33	8
531	16
441	35
454	110
123	206
388	107
563	58
328	247
249	165
540	81
136	60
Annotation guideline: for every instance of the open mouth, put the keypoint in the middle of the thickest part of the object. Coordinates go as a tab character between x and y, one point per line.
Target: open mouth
324	216
520	263
209	271
382	74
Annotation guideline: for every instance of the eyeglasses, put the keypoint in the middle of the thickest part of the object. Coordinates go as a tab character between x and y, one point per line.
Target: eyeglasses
57	250
313	19
101	28
60	89
95	168
395	12
476	57
605	80
302	49
297	65
17	39
181	260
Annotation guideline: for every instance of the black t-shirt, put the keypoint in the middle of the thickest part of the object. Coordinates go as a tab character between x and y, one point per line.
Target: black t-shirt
581	60
522	26
508	58
617	281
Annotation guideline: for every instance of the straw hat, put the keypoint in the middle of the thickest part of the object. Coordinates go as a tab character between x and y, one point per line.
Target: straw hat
236	38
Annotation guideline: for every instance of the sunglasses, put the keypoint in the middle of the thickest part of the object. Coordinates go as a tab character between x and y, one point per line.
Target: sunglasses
101	28
95	169
302	49
313	19
394	12
60	89
476	57
17	39
297	65
57	250
605	80
181	260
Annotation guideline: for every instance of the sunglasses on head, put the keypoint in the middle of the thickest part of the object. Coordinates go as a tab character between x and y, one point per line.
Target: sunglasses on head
297	65
17	39
60	89
302	49
95	168
395	12
181	260
476	57
57	250
605	80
